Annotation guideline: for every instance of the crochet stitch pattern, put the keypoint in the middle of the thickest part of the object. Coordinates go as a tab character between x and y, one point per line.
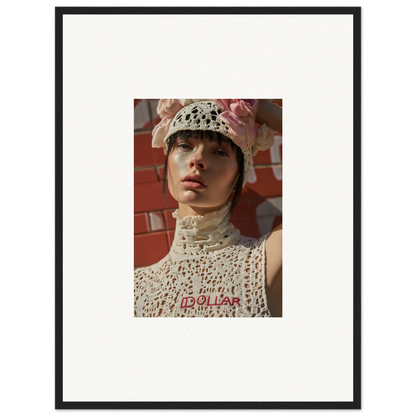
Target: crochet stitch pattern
199	116
211	271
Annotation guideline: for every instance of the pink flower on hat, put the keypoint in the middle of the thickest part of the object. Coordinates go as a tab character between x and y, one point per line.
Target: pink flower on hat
167	109
240	115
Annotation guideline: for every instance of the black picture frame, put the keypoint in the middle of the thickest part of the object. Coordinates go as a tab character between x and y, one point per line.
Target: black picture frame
60	403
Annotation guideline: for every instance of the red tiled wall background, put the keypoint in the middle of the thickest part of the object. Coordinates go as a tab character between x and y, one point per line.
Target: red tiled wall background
257	212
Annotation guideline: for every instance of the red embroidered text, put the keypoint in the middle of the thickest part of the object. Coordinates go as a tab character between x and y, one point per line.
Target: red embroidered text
190	301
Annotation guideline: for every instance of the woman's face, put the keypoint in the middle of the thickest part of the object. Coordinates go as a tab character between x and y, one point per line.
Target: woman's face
201	174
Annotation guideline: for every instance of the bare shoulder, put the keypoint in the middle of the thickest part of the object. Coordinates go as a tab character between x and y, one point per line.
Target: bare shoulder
274	259
274	244
274	253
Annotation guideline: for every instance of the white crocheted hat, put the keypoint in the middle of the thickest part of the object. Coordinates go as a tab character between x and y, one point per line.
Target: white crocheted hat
234	119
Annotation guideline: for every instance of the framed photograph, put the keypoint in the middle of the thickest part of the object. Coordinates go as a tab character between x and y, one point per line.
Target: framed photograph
120	217
190	282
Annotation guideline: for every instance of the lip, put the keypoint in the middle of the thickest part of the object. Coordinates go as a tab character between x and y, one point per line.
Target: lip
193	181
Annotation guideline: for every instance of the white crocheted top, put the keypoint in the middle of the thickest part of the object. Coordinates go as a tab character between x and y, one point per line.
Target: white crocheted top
210	271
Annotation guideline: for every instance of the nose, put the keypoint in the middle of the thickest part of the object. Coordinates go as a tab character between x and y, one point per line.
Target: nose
197	160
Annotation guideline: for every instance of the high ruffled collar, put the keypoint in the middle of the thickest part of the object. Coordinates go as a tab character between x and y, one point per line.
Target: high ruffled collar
203	233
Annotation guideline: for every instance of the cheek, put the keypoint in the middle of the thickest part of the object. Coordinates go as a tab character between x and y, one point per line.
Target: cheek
178	165
176	169
227	174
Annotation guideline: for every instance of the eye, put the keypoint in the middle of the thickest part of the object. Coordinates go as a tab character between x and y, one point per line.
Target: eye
221	152
184	146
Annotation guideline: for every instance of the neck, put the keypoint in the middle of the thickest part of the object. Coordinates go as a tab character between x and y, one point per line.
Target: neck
202	233
191	211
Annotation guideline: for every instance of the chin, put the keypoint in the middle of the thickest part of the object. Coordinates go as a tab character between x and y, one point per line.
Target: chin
192	199
197	198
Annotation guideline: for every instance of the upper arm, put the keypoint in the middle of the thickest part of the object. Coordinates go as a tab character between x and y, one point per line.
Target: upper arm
271	114
274	258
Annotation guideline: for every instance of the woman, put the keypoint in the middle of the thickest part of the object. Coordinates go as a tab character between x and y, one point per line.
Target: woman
211	270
